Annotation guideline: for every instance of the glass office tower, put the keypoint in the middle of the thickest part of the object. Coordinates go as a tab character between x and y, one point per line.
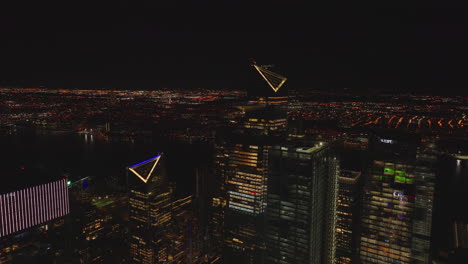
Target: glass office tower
347	222
301	204
425	170
398	200
149	205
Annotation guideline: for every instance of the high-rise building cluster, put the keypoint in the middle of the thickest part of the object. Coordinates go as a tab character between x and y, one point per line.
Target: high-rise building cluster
283	198
279	195
276	190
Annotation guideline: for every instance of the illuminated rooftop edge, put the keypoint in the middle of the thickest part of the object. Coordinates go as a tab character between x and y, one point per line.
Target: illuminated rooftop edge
349	176
461	157
143	162
145	180
303	149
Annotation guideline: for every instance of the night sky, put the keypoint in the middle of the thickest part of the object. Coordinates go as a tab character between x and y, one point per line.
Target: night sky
149	46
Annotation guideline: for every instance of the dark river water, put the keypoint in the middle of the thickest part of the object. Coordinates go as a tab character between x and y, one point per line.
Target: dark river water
78	155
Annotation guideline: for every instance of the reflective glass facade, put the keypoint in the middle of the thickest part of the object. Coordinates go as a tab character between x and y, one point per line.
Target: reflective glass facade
398	201
302	188
387	215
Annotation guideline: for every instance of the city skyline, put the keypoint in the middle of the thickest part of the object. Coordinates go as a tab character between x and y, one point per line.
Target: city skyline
252	177
172	133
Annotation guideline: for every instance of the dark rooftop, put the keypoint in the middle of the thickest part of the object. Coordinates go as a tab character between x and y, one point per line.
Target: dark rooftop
24	176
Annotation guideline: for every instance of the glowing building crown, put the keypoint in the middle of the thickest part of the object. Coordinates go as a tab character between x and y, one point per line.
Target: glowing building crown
144	169
274	80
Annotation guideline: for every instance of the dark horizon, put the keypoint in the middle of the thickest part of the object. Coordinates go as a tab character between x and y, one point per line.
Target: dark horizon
397	50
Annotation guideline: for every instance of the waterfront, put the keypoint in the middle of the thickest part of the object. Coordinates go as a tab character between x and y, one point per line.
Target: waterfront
80	155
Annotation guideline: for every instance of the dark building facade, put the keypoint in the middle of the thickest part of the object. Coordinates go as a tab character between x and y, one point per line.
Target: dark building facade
300	212
347	218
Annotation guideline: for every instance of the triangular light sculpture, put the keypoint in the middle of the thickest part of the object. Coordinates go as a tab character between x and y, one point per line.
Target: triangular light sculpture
274	80
145	165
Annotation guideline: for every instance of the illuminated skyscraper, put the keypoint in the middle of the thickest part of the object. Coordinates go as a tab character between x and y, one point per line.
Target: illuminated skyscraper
398	200
247	179
269	120
268	113
161	229
149	202
347	221
266	86
242	167
425	169
246	172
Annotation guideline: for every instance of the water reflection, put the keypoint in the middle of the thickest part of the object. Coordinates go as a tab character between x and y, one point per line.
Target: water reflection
458	168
